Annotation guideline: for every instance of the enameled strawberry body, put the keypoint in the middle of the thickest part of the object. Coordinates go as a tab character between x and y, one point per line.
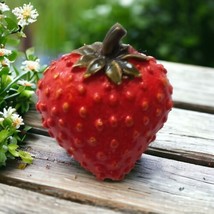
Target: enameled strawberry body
105	126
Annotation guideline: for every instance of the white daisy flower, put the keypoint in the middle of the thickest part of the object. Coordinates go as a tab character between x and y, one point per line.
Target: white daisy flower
5	52
4	7
26	14
29	65
8	112
17	121
25	83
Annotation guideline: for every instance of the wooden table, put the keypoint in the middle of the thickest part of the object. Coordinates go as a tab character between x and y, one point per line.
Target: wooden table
176	174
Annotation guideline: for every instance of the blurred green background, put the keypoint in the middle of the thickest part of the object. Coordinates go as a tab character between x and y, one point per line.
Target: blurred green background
179	30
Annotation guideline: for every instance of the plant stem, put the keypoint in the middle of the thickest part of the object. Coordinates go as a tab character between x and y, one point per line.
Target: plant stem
15	80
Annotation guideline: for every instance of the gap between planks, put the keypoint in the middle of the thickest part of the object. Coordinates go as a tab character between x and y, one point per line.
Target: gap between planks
193	107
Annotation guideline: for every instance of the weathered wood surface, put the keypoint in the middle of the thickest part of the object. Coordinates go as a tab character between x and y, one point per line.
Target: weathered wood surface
17	200
156	185
187	136
193	86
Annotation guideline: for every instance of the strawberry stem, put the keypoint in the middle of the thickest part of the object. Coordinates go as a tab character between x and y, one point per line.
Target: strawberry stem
112	41
110	56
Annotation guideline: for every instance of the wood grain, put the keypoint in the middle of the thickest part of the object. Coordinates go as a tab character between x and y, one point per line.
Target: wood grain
187	136
156	185
193	86
17	200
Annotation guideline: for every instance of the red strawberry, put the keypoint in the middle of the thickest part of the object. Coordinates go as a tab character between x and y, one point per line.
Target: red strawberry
104	103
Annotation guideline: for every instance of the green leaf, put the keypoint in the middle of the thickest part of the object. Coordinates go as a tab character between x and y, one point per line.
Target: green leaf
16	70
7	123
3	158
5	81
13	41
30	51
3	39
14	140
11	96
12	56
21	88
5	71
27	128
26	157
4	134
14	81
11	25
13	149
27	93
30	54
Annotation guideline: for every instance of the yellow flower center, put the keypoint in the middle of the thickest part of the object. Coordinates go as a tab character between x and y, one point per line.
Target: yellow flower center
26	13
17	122
27	84
31	67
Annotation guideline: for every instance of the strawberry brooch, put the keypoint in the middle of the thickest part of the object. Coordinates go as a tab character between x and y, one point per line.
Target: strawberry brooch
104	104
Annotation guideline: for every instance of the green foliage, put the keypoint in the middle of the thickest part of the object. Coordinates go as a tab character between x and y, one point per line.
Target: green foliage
10	136
17	83
170	30
177	30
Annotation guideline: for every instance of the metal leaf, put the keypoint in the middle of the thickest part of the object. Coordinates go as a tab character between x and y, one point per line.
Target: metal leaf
129	69
114	72
134	56
85	50
96	65
96	46
84	61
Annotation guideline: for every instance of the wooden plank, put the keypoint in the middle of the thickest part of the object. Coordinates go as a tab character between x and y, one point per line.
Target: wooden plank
187	136
17	200
156	185
193	86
